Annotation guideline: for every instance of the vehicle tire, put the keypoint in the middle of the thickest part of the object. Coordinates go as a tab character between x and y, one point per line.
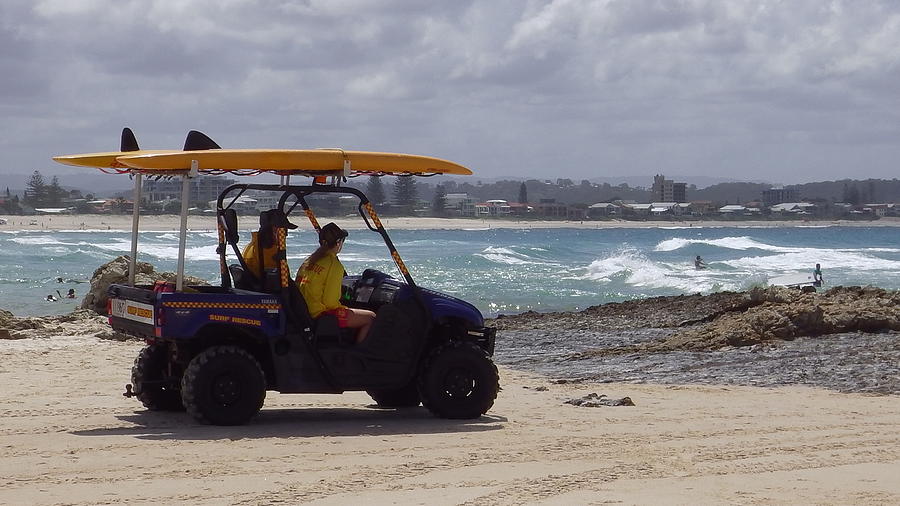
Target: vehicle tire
459	381
223	385
148	377
405	397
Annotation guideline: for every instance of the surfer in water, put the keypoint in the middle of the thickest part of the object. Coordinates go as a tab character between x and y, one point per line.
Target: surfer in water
699	263
817	276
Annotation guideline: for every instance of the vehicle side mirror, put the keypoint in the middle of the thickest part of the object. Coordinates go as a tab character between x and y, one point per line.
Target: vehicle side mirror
231	230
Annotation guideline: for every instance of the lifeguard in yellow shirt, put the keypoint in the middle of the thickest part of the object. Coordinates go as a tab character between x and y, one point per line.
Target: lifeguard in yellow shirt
260	252
319	280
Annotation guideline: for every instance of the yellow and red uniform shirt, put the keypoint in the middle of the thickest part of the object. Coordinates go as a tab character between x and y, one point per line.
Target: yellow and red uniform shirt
320	284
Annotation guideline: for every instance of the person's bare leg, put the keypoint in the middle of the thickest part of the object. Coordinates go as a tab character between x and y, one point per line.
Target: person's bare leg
360	319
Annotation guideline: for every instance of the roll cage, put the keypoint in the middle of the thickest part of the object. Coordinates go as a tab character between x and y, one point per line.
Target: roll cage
227	223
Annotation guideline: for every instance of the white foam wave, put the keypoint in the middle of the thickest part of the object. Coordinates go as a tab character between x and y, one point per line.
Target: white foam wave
738	243
40	240
509	257
807	259
171	252
118	245
633	268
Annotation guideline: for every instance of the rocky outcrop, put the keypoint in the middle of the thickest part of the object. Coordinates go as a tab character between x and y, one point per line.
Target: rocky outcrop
655	312
758	316
116	272
81	322
785	314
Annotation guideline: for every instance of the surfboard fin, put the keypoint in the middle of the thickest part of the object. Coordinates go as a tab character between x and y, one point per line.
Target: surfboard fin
199	141
129	143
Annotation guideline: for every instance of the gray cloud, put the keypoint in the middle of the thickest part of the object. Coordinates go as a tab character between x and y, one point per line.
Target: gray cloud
787	91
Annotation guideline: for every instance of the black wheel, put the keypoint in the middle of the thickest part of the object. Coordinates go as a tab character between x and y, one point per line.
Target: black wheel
223	385
406	397
459	381
153	385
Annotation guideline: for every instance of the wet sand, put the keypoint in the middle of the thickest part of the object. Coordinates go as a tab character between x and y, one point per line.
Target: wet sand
69	437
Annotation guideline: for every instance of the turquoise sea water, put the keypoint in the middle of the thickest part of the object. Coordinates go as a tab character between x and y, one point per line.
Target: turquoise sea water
498	270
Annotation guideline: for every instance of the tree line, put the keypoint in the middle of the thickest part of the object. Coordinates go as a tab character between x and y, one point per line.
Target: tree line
41	194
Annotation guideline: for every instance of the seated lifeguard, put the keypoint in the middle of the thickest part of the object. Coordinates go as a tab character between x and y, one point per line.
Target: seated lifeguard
319	280
260	253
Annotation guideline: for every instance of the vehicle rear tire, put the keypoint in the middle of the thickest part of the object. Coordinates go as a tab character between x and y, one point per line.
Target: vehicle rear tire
149	376
223	385
459	381
405	397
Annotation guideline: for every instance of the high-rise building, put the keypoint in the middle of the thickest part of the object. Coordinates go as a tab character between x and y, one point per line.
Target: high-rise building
666	190
202	189
780	195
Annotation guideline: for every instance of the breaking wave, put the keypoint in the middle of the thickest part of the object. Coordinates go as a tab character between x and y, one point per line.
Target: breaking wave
734	243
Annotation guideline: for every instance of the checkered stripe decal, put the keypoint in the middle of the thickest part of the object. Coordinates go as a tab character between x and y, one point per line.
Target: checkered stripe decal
220	305
223	266
312	219
399	262
282	265
371	210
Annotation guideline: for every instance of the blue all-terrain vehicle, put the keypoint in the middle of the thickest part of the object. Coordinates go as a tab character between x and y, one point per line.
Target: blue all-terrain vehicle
216	350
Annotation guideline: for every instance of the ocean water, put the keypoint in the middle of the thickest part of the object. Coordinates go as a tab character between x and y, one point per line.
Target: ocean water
498	270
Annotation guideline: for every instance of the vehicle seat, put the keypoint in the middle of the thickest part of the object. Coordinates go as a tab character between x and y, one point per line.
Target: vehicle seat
241	278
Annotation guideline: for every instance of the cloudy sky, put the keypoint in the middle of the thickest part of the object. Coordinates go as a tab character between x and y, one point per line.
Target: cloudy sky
785	91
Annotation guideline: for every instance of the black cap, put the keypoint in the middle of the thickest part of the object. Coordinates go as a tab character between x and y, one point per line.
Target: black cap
275	218
332	233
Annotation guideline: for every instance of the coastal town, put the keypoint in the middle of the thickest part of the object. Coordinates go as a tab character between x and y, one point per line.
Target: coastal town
561	199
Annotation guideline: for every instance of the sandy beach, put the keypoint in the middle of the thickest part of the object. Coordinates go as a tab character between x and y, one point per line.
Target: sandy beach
171	222
69	437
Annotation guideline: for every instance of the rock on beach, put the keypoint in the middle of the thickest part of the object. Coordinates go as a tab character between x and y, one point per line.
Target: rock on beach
116	272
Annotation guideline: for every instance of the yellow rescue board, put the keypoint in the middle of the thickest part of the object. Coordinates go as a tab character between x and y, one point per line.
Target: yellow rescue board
103	160
290	161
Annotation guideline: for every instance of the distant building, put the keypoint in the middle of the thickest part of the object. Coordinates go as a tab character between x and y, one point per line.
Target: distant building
780	195
701	207
520	209
495	207
665	208
202	189
793	208
550	208
732	209
666	190
637	209
603	209
460	204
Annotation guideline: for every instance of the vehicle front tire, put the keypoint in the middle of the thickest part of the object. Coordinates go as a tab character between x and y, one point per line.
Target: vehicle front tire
459	381
149	376
223	385
405	397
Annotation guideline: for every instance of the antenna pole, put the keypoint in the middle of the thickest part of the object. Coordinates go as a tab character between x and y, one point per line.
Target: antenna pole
135	219
182	239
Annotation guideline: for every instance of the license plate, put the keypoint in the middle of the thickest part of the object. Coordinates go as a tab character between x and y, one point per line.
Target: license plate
131	310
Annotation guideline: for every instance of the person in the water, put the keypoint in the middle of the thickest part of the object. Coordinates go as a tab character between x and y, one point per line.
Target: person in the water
699	263
817	276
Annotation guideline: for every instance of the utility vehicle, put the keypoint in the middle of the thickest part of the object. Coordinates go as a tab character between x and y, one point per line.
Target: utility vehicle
216	350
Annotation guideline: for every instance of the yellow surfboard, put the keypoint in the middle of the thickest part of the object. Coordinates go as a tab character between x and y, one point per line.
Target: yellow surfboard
128	145
103	160
290	161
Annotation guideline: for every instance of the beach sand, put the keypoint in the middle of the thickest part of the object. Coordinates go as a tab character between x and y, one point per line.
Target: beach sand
70	437
207	223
